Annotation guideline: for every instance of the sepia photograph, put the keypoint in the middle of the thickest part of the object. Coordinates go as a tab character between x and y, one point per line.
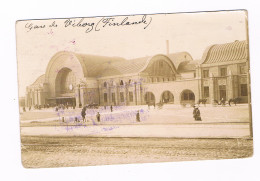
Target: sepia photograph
134	89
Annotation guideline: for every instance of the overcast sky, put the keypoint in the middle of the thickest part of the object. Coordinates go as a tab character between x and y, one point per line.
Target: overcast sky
191	32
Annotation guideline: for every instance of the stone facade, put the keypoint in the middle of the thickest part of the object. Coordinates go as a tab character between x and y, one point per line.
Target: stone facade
78	79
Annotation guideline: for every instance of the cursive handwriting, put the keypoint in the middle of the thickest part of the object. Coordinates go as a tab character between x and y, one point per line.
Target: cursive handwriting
89	26
105	22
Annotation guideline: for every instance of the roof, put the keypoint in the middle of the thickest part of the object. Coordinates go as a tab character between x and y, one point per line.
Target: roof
101	66
187	66
97	64
124	67
236	50
39	81
179	57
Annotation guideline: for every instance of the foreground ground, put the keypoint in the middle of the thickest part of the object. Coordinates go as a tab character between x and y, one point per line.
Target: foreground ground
39	151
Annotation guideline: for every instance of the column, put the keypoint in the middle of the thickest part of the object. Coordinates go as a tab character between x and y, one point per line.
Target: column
211	89
77	96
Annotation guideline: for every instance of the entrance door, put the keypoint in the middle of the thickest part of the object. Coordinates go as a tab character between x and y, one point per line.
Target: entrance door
222	92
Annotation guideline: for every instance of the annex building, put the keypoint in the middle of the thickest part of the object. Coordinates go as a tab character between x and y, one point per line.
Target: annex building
80	79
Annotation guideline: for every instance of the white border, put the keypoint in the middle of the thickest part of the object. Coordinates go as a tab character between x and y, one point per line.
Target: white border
10	156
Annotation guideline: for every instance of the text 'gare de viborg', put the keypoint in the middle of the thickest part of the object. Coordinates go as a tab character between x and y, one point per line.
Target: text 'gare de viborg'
79	79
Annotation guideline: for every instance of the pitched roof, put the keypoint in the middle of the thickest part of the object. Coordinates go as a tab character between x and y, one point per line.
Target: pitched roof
236	50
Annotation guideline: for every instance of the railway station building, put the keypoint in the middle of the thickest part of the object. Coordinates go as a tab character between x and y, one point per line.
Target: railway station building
80	79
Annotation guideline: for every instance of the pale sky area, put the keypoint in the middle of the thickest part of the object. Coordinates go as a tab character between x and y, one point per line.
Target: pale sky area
190	32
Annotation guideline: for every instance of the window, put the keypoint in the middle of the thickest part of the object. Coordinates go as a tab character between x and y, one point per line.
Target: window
206	91
105	84
131	97
105	97
223	72
161	64
188	96
205	73
113	97
122	99
243	89
194	74
242	69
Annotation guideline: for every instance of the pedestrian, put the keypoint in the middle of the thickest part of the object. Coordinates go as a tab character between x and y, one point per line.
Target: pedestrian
154	104
138	116
83	114
111	108
196	113
98	117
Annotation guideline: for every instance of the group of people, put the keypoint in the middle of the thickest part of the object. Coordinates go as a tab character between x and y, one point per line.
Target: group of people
83	115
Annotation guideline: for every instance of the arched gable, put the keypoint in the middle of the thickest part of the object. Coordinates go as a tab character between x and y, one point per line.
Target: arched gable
156	61
60	61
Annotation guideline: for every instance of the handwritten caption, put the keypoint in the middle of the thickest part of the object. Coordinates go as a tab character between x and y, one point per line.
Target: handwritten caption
90	26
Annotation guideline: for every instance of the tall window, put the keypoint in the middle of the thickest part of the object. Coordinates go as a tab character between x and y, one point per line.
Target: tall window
122	99
223	71
243	90
205	73
105	97
206	91
131	97
113	97
105	84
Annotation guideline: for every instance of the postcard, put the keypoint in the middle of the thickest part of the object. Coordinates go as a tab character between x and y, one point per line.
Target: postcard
134	89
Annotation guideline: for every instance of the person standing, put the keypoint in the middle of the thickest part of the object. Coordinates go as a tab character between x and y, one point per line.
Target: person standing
111	108
83	114
196	113
138	116
98	117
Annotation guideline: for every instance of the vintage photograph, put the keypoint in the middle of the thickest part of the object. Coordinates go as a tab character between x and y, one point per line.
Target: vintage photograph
134	89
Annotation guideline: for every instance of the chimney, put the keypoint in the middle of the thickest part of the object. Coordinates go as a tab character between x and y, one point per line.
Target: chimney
167	47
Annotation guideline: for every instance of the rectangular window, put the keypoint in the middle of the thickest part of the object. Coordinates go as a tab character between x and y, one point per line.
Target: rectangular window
223	72
105	97
113	97
205	73
243	89
122	99
206	91
131	97
242	69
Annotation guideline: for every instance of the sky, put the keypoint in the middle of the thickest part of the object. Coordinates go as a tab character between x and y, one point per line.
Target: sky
190	32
